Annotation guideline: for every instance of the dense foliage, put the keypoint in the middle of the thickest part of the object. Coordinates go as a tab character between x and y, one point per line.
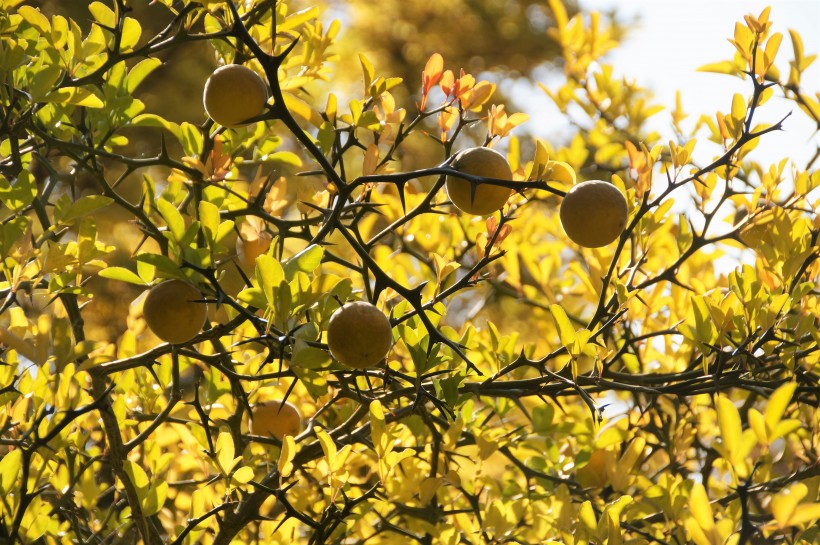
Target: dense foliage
664	388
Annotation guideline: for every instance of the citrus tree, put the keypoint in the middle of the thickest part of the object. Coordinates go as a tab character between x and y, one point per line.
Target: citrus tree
256	326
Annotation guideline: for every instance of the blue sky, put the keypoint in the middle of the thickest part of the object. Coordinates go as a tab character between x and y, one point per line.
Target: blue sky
673	38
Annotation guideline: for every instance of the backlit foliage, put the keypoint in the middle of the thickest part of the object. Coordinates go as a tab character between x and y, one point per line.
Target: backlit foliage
661	389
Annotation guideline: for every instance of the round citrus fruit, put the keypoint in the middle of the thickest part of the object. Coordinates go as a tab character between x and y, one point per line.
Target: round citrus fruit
174	312
276	418
487	198
359	335
233	94
593	213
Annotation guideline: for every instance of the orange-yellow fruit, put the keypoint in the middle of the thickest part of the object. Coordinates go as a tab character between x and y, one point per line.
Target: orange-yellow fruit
359	335
174	312
276	418
593	213
233	94
488	198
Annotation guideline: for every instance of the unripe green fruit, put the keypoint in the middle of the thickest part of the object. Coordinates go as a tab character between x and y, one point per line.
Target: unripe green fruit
593	213
173	311
488	198
359	335
234	94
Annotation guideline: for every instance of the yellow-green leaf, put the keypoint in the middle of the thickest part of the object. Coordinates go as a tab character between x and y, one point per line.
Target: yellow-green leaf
122	274
140	71
286	455
36	19
244	474
700	508
328	446
565	329
225	451
730	426
173	219
103	14
154	499
137	475
9	469
269	274
778	403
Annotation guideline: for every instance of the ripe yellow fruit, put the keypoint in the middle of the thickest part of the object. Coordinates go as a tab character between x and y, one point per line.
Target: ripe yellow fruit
234	94
276	418
488	198
174	312
359	335
593	213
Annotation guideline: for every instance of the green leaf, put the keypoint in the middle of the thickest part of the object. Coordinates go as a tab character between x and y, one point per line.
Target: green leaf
369	120
59	31
85	206
254	297
285	464
137	476
36	19
77	96
700	508
122	274
172	217
565	330
139	72
309	357
778	402
12	55
155	499
244	474
131	31
381	441
328	446
306	261
772	46
723	67
302	109
314	382
784	504
285	157
730	426
103	14
738	107
368	71
209	220
20	194
298	18
326	136
580	342
161	263
225	452
10	466
586	516
269	274
153	120
191	138
42	82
